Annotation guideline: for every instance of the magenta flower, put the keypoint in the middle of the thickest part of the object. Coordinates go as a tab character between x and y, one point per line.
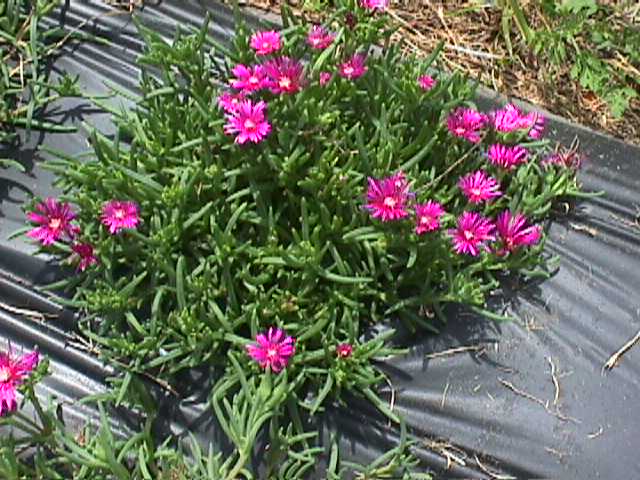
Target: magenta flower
535	122
120	214
471	233
285	75
84	252
374	5
507	157
388	197
507	119
249	79
426	82
319	38
324	78
344	350
514	232
229	101
54	219
273	350
479	187
466	123
428	216
354	67
265	43
249	122
12	373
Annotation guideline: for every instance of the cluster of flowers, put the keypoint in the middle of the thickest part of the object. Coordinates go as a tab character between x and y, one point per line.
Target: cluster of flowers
13	371
55	223
389	199
247	118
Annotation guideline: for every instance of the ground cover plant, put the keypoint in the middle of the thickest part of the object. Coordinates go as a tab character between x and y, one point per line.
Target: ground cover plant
257	217
573	58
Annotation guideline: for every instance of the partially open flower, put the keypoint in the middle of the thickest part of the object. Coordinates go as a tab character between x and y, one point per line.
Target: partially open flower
467	123
514	232
344	350
353	68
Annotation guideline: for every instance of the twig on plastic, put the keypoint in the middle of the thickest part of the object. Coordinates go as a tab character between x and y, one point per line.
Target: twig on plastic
554	378
617	356
456	350
444	395
30	314
593	435
497	476
556	413
446	450
555	452
583	228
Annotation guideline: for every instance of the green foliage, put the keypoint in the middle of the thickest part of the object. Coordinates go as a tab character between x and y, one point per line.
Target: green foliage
583	35
235	239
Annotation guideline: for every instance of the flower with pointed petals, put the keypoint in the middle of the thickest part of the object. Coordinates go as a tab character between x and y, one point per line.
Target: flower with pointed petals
265	43
466	123
535	122
54	219
120	214
479	187
514	232
426	82
319	37
428	216
13	371
324	78
285	75
565	157
353	68
84	252
229	101
374	5
507	157
249	79
273	349
249	122
344	350
507	119
388	197
471	233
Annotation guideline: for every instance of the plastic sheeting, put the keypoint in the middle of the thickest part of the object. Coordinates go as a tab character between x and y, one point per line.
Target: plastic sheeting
525	399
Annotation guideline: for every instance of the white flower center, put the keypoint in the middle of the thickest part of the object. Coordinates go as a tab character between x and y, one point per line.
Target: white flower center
272	352
249	124
390	202
119	214
253	80
284	82
468	235
265	45
348	70
425	219
5	374
54	223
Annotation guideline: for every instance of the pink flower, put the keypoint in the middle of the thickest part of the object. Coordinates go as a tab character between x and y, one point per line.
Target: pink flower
285	75
54	219
507	157
472	231
273	350
319	38
324	78
265	43
565	157
374	5
249	122
229	101
387	198
479	187
426	82
84	252
119	214
510	119
507	119
249	79
466	123
12	372
344	350
354	67
514	232
428	216
535	122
